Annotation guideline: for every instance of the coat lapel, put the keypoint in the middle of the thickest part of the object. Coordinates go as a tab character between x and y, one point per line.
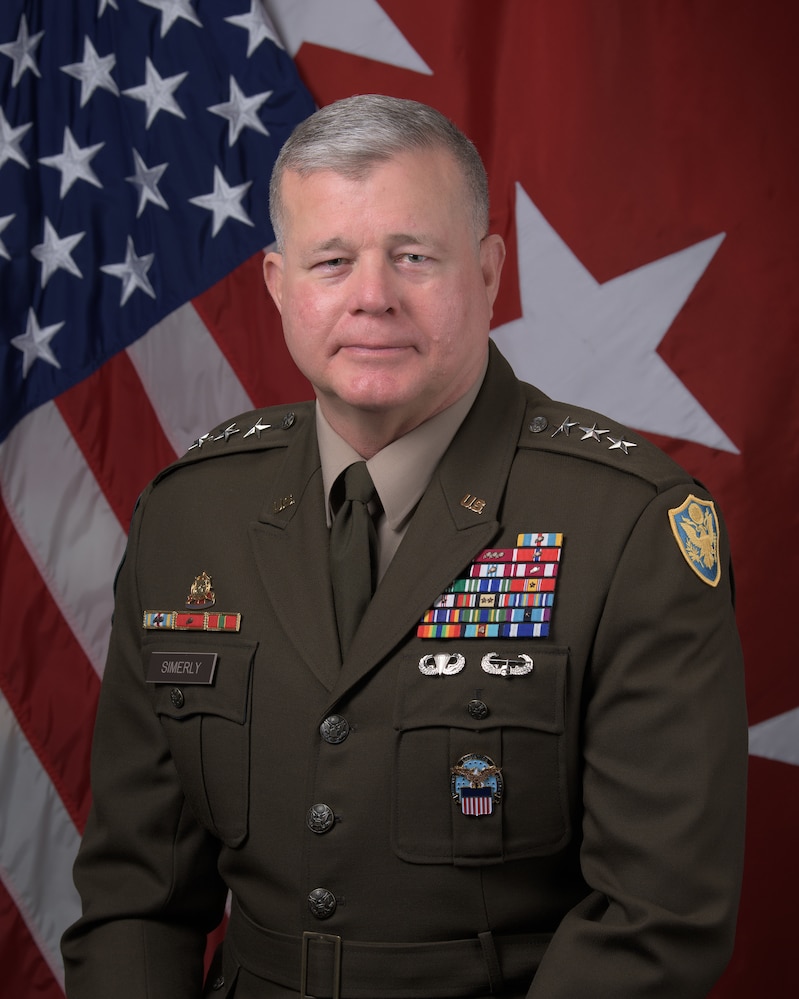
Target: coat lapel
446	531
457	517
290	544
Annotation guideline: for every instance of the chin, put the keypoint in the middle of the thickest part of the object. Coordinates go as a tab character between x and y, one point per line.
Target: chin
376	393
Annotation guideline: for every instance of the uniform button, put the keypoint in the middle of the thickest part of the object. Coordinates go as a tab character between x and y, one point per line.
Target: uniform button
219	983
322	903
320	818
177	698
538	424
477	709
334	729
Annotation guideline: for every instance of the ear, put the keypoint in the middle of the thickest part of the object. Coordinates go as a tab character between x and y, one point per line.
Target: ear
273	277
492	257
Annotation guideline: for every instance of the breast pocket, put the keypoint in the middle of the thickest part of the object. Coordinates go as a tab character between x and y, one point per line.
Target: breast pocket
502	713
208	729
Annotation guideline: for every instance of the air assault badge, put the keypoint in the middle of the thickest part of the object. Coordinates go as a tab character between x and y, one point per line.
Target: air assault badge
696	528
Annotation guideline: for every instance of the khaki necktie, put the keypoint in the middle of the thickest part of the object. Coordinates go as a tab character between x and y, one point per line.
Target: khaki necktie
353	551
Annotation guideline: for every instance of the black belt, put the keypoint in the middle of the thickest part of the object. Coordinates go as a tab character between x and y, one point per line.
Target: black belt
323	966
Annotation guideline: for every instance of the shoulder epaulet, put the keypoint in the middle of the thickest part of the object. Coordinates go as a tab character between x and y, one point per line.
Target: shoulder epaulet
257	430
581	433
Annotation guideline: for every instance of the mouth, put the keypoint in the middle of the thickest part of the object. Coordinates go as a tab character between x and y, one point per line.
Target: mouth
375	350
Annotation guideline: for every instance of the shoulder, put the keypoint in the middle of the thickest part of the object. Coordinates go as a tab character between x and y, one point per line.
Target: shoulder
259	430
583	435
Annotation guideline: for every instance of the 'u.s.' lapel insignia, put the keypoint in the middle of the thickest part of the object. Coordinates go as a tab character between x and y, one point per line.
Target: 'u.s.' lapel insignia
476	782
201	595
696	528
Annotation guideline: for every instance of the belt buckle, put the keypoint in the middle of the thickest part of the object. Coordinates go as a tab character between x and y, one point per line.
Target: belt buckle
329	938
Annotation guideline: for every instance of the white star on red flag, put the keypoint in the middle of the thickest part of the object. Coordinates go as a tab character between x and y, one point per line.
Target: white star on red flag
572	326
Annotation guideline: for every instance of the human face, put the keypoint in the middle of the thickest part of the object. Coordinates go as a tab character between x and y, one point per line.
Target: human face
385	290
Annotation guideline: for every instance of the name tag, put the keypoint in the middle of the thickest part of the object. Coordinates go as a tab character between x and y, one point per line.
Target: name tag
170	667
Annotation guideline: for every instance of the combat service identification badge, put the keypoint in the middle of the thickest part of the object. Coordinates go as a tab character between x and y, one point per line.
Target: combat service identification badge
476	782
696	528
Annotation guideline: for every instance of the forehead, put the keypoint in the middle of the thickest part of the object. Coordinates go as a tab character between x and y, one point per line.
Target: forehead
417	183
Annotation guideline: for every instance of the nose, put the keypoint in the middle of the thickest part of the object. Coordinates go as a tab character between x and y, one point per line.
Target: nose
373	287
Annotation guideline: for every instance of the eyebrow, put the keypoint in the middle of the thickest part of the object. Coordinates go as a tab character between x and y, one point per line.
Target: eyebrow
394	239
336	243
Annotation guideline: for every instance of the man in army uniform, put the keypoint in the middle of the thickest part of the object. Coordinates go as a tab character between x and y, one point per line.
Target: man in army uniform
517	767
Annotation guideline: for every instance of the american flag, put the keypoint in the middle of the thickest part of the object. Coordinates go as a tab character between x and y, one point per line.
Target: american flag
136	144
643	166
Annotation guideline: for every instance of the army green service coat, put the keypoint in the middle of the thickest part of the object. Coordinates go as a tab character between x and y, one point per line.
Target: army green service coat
319	793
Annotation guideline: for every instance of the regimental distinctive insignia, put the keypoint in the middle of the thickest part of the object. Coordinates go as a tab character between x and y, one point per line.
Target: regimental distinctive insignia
476	783
191	621
696	528
504	593
442	664
201	595
515	666
198	617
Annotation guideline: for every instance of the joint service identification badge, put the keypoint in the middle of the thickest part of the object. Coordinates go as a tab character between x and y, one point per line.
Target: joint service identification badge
476	783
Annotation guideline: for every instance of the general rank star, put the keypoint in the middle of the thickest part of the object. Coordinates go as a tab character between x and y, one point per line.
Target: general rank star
592	433
620	445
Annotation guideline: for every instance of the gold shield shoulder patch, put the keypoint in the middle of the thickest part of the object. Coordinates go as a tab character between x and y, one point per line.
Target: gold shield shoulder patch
696	528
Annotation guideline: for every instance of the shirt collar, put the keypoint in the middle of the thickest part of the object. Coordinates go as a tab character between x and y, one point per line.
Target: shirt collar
402	470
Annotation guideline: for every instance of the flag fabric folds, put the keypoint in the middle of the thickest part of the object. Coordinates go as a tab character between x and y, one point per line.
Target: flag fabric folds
136	146
642	161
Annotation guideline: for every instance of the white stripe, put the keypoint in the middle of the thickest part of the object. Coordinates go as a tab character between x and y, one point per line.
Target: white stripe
65	522
38	844
191	385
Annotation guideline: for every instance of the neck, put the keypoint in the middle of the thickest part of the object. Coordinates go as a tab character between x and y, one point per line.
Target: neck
369	432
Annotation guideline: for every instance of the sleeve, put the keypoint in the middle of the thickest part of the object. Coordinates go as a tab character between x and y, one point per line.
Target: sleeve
664	777
146	870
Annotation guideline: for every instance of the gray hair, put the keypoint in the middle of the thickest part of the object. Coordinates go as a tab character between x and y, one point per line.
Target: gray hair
352	135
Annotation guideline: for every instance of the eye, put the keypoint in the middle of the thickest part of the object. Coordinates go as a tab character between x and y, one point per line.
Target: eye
333	264
414	258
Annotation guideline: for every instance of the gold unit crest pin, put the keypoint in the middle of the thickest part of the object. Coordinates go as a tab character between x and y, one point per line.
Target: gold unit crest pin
197	614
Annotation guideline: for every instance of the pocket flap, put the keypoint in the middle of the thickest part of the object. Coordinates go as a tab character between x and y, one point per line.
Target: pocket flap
524	688
226	696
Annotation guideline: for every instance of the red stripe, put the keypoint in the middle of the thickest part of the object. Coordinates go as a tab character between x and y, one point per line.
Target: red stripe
24	971
48	681
245	323
115	426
